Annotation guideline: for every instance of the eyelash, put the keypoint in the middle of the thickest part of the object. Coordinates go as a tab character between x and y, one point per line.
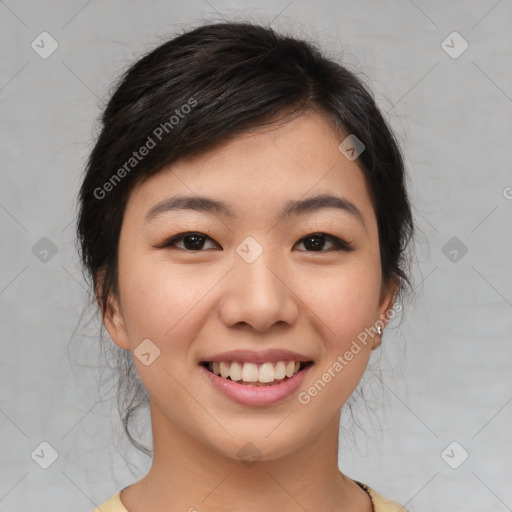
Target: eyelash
339	244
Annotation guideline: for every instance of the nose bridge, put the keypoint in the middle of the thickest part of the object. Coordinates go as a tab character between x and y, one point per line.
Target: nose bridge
258	293
257	279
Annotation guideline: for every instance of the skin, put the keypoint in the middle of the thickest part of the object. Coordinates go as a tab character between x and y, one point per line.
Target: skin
194	303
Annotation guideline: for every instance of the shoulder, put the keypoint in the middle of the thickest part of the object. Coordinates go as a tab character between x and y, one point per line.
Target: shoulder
381	504
113	504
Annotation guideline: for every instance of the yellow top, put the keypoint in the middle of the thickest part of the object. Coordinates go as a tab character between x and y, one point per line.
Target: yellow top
380	504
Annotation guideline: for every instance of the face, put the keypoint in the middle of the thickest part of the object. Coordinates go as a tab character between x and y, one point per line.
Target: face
247	277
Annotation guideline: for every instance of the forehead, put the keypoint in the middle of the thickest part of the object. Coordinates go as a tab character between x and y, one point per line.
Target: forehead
257	172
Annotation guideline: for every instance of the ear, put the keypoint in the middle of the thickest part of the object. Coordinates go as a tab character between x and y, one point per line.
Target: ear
115	323
113	318
387	300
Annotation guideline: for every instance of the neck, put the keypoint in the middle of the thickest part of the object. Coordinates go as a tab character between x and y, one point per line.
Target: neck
186	475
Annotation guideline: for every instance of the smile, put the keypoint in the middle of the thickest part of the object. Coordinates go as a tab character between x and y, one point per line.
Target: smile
256	384
269	373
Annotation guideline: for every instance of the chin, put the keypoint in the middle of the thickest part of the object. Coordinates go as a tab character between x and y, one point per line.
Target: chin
259	447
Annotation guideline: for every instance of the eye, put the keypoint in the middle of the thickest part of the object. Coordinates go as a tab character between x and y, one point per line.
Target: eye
316	241
192	241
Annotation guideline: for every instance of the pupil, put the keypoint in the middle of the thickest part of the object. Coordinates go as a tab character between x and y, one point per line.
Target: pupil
197	244
313	242
316	244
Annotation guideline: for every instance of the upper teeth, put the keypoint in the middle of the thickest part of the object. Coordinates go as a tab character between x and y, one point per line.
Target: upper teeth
252	372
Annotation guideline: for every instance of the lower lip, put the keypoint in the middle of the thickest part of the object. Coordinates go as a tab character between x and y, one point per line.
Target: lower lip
245	394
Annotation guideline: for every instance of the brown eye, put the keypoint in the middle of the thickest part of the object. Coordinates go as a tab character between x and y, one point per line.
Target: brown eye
315	242
191	241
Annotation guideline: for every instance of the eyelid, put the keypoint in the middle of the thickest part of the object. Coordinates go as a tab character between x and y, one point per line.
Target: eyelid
338	243
168	242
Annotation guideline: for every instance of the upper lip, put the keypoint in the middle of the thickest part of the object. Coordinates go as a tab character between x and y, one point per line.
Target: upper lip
259	357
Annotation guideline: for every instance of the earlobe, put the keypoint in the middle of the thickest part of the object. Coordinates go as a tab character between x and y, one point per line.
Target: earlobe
115	325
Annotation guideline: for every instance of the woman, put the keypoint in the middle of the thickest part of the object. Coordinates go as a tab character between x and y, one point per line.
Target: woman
244	220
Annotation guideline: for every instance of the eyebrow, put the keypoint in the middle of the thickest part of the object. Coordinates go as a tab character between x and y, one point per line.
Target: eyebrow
292	207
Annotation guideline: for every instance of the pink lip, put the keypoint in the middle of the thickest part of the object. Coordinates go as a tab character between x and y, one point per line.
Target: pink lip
263	356
245	394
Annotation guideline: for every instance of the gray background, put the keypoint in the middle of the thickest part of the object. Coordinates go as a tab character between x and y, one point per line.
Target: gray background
445	368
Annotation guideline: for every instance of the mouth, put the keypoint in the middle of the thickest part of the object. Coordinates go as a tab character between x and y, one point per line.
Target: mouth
265	374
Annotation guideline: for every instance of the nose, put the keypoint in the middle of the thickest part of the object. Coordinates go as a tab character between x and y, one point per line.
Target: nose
258	294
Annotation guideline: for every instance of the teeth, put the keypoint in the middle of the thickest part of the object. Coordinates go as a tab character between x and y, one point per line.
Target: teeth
224	370
266	373
235	371
252	372
280	370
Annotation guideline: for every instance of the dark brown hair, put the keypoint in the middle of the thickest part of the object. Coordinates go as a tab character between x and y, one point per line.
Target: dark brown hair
197	90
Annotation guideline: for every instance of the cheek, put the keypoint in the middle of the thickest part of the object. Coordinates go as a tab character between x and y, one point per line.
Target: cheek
344	305
160	303
159	299
346	299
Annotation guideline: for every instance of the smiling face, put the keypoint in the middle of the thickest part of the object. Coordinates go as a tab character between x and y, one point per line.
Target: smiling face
255	273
